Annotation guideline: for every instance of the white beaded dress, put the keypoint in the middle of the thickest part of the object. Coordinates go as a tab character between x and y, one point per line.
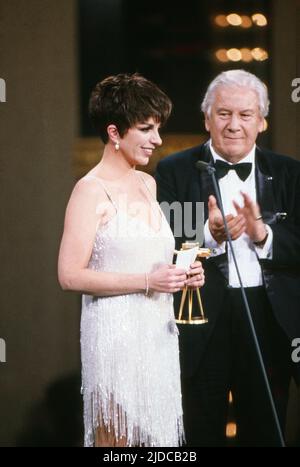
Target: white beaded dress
129	343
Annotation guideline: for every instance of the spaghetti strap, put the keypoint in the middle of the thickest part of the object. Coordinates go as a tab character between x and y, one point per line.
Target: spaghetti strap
151	194
105	190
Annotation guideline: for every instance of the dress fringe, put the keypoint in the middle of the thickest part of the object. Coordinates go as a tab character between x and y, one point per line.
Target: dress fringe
104	411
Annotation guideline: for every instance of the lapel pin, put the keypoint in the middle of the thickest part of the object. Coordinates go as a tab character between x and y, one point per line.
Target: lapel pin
280	216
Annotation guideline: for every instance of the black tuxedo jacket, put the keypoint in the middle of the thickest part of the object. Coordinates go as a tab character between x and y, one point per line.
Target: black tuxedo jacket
278	191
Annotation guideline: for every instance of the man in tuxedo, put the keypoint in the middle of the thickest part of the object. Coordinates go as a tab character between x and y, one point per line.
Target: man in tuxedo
260	192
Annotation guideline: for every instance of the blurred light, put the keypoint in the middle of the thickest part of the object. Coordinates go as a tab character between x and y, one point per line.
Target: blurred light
259	54
221	21
246	55
231	430
234	19
234	55
246	22
230	398
259	19
221	55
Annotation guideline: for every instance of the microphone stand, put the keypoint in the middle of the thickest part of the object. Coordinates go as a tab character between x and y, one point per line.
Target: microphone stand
211	171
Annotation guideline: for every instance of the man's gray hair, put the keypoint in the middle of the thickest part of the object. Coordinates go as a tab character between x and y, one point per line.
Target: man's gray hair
240	78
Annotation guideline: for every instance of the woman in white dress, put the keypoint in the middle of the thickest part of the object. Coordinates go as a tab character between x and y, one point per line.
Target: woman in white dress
117	250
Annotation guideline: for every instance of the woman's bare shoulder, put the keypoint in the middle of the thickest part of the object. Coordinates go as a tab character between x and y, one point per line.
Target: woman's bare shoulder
89	186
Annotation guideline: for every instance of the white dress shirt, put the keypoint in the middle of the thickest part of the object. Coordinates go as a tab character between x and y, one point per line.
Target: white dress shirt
246	252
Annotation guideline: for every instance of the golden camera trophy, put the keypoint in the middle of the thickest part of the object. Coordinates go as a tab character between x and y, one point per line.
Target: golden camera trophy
187	293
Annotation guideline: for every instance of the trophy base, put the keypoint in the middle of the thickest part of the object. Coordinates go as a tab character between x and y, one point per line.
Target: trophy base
196	320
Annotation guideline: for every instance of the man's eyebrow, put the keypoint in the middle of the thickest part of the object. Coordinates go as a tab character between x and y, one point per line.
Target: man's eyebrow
248	110
225	109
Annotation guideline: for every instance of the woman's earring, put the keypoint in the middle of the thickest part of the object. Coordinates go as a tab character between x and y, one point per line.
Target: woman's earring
117	146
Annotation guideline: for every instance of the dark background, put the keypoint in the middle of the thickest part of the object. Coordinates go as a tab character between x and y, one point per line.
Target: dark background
170	43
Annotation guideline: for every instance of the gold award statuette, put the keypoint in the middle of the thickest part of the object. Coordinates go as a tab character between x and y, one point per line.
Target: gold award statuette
188	293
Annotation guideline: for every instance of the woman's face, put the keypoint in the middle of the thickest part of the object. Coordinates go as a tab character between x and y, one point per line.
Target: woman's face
138	143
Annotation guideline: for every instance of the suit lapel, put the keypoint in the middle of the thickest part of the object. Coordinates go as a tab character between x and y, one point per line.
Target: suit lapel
264	187
206	184
207	189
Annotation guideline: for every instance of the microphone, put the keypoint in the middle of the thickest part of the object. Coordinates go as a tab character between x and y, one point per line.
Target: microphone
205	167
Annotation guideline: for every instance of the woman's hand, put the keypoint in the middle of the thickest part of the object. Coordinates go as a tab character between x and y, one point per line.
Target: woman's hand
196	277
167	278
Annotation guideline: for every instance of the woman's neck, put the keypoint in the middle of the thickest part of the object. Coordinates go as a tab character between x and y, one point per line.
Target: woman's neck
113	167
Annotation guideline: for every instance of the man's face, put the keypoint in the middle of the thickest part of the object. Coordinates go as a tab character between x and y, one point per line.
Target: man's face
234	122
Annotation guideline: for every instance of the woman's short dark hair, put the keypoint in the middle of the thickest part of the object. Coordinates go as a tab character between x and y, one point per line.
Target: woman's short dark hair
125	100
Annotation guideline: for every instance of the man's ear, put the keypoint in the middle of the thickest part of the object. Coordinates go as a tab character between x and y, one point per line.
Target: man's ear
263	125
113	133
206	121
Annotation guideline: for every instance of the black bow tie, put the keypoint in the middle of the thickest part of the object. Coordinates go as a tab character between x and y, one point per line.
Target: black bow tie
243	169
